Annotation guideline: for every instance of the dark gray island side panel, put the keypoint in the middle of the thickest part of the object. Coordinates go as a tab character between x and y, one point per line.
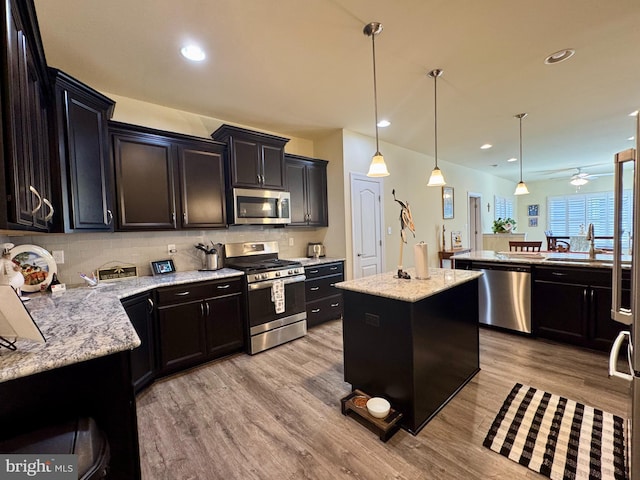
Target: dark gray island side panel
417	355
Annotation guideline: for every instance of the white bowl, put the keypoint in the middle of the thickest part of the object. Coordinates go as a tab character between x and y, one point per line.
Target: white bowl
378	407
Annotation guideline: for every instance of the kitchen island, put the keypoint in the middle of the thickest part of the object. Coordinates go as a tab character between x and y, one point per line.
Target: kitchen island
413	342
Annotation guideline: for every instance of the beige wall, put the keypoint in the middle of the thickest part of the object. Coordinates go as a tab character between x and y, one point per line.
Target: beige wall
409	173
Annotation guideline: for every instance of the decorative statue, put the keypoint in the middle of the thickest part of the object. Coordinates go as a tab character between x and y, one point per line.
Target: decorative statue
406	221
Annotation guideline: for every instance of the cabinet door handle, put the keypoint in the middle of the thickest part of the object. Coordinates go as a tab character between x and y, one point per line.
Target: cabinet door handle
335	305
35	192
109	217
184	217
151	305
49	215
315	310
173	217
313	289
223	286
259	180
182	294
202	310
208	308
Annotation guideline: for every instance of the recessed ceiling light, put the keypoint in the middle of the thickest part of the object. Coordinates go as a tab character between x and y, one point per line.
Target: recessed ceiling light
384	123
631	138
512	159
486	146
193	53
559	56
634	113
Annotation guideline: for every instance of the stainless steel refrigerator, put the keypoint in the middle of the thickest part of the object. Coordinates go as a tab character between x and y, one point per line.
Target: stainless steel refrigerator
627	179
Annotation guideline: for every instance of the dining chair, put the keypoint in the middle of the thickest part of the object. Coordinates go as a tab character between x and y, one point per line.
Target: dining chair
524	246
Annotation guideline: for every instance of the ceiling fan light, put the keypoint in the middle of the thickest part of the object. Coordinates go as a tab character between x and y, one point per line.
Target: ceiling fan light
378	168
578	181
436	179
521	189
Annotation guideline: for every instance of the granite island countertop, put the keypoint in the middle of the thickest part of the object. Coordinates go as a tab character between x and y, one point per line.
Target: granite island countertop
85	323
601	260
412	290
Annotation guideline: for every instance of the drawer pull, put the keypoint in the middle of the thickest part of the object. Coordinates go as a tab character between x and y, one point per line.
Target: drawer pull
559	274
335	305
332	284
182	294
333	268
223	286
315	310
313	289
313	271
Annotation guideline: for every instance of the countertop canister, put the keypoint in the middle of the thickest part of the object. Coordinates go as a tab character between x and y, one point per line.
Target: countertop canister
421	258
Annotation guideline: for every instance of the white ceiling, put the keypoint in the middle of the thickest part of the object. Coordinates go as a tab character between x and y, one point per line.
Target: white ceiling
304	67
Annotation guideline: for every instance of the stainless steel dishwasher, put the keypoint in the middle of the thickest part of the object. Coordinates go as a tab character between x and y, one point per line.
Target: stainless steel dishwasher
505	295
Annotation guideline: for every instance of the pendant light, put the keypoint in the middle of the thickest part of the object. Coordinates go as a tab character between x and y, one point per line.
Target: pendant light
436	179
377	168
521	188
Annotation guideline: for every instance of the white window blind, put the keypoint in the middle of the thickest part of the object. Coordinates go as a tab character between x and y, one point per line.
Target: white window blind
503	207
567	213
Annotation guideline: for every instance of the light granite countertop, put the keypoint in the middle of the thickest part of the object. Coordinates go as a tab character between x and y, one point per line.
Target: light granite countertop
85	323
601	260
310	262
412	290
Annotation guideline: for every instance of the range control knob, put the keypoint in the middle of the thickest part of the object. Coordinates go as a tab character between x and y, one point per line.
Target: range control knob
277	274
264	276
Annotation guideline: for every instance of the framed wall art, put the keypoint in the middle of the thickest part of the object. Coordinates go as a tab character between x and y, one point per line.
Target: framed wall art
533	210
447	202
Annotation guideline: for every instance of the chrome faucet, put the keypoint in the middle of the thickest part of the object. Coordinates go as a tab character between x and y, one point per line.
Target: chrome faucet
591	238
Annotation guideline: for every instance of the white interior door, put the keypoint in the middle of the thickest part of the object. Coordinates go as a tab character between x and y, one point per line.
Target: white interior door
475	222
366	216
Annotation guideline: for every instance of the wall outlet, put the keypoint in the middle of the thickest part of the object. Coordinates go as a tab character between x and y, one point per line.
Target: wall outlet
171	249
58	256
291	241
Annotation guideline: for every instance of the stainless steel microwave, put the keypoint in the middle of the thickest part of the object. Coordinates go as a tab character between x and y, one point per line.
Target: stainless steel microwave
261	207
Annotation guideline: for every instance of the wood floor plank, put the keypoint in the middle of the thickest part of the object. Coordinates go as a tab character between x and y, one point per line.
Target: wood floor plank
276	415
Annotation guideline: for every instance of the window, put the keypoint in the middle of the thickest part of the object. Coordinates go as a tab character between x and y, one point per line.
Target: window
503	207
568	213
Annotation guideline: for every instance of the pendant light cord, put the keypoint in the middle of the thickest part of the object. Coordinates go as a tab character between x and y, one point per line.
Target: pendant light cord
375	89
521	148
435	114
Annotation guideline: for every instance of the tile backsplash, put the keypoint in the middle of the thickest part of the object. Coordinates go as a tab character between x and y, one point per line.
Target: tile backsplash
86	252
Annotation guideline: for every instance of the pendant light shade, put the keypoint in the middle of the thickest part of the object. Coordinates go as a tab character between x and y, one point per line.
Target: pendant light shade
377	168
436	179
521	188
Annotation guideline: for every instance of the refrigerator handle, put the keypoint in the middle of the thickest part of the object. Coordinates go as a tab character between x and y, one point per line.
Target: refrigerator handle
615	352
619	314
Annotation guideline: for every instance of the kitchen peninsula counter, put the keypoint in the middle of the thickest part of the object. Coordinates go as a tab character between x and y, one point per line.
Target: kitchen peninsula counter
84	368
413	342
84	323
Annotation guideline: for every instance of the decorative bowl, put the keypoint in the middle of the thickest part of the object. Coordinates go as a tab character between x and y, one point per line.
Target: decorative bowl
378	407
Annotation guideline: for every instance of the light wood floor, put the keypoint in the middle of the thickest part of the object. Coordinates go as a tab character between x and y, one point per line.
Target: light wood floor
276	415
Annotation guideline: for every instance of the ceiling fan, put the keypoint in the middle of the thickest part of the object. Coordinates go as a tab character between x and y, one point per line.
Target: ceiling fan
582	178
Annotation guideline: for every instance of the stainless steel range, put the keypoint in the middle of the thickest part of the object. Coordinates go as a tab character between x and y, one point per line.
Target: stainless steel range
274	291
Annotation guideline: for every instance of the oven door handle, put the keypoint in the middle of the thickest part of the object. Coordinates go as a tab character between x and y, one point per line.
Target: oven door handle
269	283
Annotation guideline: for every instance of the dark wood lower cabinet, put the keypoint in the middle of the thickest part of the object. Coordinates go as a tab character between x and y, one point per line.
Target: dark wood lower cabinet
573	305
139	308
323	299
199	322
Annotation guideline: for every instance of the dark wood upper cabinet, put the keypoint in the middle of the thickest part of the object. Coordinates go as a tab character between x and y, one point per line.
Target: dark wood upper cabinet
166	181
25	196
306	180
83	170
256	160
201	166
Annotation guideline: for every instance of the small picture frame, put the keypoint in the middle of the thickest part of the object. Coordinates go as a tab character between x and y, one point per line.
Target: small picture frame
534	210
447	203
533	222
456	240
163	267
